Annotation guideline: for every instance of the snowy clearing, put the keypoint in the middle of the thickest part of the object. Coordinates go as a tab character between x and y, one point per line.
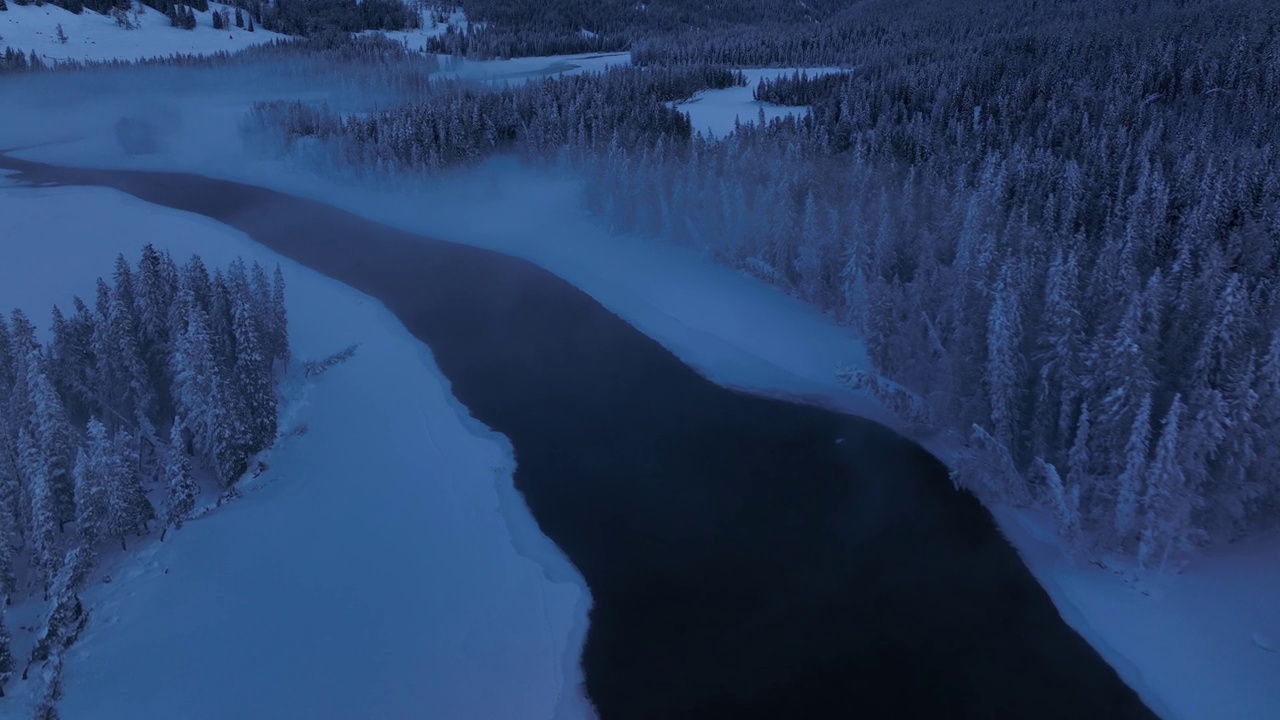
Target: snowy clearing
417	39
714	112
366	573
91	36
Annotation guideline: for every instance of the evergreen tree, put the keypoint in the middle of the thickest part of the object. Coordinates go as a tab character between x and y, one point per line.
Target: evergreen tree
1065	501
1060	348
201	394
1130	483
42	536
279	319
1004	370
253	382
217	21
1168	503
6	652
53	447
8	576
72	361
181	497
92	467
250	28
239	18
128	509
155	290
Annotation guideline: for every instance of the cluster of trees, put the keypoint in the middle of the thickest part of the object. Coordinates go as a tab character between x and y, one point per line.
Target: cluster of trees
1057	228
17	61
289	17
458	123
514	28
168	363
1062	244
371	67
310	17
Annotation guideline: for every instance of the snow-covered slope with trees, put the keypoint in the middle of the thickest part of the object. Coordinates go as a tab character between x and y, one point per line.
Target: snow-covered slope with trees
91	36
404	576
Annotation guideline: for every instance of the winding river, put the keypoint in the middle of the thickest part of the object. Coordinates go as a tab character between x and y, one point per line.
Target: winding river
747	557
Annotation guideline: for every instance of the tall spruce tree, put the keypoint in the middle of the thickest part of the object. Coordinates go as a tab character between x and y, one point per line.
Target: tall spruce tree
6	641
180	498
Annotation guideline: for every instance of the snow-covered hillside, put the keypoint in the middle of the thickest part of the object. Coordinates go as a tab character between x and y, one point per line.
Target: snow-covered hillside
383	566
91	36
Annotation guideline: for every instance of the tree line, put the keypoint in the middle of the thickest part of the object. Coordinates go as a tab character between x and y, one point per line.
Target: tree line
100	423
1056	227
651	30
458	123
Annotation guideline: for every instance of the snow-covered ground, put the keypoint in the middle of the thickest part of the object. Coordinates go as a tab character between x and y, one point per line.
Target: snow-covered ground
383	566
91	36
417	39
713	112
1188	647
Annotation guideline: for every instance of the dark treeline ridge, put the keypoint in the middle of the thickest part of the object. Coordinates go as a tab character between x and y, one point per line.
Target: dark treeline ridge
289	17
118	7
99	423
397	70
459	123
516	28
1056	225
309	17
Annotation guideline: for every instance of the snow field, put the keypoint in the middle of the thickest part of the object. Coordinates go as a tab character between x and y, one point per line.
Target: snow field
382	566
713	112
91	36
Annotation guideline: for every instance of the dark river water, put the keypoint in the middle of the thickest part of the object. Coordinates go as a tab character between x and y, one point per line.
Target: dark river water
748	557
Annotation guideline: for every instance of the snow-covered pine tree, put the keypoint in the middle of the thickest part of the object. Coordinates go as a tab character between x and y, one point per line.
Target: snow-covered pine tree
1004	376
1064	498
8	576
201	395
1131	482
53	440
180	498
280	319
1060	344
128	509
253	379
6	653
72	362
67	617
1168	503
1121	364
7	361
42	535
154	294
91	485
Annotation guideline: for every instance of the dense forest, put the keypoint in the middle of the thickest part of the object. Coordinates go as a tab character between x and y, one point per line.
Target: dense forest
515	28
100	423
1055	226
289	17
